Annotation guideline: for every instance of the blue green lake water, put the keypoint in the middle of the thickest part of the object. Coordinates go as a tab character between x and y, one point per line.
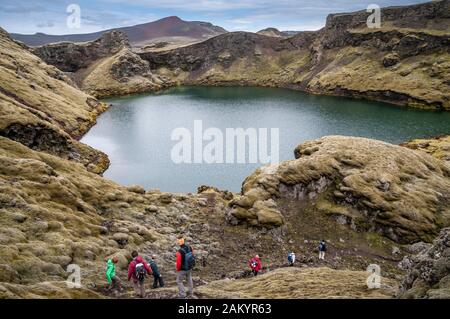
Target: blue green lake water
136	131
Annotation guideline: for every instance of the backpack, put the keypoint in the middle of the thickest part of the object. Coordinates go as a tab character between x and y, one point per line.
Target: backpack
290	259
153	266
189	258
140	271
322	247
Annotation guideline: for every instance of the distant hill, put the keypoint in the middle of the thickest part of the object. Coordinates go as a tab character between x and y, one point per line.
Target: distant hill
273	32
138	34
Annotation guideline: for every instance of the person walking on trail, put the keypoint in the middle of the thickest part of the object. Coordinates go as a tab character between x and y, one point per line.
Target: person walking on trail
185	262
322	249
255	265
138	269
157	278
291	258
113	280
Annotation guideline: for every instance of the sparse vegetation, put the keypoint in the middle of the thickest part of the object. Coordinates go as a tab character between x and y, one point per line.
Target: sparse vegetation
291	283
373	202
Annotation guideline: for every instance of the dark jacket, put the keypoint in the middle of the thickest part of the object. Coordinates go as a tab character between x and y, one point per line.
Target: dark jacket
180	256
154	268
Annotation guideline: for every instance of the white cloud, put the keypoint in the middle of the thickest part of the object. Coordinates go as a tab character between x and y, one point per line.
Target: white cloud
30	16
239	21
194	5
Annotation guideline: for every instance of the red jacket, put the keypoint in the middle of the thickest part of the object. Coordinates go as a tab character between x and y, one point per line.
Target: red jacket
132	266
180	259
258	264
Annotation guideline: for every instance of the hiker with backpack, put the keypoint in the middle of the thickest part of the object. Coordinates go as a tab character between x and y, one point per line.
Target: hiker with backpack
185	262
157	278
255	265
113	280
322	249
291	258
137	270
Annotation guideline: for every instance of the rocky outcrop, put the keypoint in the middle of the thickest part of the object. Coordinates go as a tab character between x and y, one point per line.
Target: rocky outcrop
366	184
361	195
204	189
55	213
46	138
104	67
272	32
428	272
391	63
128	65
405	62
121	74
223	50
438	147
41	109
71	57
432	14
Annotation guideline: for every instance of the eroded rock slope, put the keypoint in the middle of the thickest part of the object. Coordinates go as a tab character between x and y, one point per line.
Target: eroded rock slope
366	198
367	184
406	61
104	67
428	271
42	109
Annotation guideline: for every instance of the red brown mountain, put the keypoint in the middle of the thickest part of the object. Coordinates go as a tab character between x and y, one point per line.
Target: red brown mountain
138	34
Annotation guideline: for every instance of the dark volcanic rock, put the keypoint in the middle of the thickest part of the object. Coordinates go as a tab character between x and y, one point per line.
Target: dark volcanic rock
338	28
326	61
129	65
45	138
359	182
428	273
390	60
223	49
71	57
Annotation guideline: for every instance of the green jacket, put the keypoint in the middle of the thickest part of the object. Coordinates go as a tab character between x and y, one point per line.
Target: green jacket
110	270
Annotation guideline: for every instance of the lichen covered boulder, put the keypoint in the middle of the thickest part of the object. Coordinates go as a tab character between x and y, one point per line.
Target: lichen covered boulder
54	213
428	272
438	147
120	74
369	185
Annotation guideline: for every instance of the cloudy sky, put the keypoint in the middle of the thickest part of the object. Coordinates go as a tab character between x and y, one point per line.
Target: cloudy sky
50	16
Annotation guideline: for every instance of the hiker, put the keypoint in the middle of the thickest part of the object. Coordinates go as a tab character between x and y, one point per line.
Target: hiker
291	258
157	278
137	270
185	262
255	265
113	280
322	249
